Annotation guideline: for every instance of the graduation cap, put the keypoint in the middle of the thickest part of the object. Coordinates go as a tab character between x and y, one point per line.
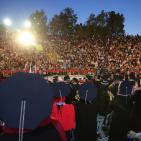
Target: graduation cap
25	100
88	91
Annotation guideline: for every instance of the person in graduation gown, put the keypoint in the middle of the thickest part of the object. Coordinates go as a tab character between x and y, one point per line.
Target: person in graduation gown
74	84
122	107
103	96
25	108
86	112
135	115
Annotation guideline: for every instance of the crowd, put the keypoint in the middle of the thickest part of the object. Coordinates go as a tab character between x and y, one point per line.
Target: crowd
77	106
114	94
118	53
106	107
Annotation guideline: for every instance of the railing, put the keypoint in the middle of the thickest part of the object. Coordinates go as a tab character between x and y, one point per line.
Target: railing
51	71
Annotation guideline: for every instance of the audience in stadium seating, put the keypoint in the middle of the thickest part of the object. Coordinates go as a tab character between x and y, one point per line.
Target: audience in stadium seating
61	53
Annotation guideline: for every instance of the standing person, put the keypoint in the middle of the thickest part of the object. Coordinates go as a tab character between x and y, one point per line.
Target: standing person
122	107
135	115
74	87
86	112
103	96
113	87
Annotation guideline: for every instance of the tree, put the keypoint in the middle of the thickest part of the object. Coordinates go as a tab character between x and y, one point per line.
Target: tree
39	25
106	24
81	30
102	19
64	23
55	26
91	20
91	24
116	23
97	25
101	25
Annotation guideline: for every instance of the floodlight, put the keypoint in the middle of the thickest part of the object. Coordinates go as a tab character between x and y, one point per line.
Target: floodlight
27	24
7	22
26	38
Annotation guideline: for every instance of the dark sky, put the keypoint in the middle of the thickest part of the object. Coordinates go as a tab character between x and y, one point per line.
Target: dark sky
19	10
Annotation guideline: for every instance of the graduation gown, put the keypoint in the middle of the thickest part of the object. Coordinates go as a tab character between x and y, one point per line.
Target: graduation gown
86	122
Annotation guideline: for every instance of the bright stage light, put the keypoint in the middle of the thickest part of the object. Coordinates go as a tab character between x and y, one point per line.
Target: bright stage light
26	38
7	22
27	24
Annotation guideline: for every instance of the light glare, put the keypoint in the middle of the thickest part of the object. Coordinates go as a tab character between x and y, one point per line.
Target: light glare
26	38
7	22
27	24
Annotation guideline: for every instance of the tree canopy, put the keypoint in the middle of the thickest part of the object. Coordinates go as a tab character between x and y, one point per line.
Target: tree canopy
103	25
39	24
106	24
116	23
64	23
